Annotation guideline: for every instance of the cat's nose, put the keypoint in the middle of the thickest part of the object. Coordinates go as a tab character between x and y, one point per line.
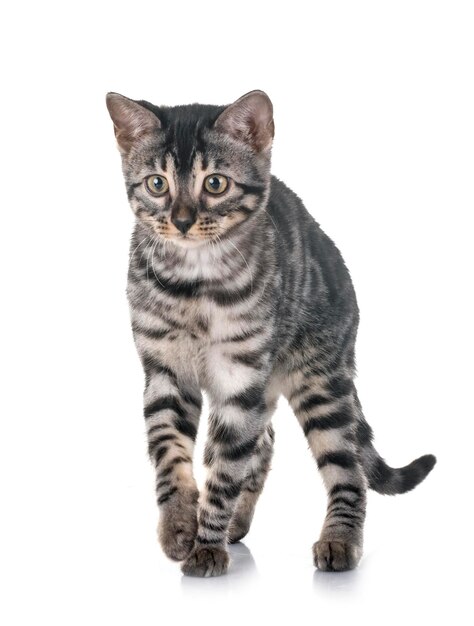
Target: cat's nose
183	224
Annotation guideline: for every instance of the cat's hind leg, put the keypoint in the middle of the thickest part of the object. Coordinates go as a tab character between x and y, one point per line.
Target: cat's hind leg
325	405
259	467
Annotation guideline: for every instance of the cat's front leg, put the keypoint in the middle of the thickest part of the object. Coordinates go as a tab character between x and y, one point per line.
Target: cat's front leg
172	412
241	407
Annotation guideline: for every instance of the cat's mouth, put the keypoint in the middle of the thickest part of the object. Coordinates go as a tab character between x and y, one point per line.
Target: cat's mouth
197	235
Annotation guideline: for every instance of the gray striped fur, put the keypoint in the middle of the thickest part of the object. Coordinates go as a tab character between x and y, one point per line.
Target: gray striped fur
243	296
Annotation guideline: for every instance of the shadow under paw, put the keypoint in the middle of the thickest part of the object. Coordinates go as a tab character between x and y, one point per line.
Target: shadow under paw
336	556
206	562
177	527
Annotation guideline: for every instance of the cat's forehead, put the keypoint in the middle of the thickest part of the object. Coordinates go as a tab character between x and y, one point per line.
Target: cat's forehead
186	131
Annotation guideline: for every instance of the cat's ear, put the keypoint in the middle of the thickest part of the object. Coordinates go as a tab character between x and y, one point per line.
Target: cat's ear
249	119
131	120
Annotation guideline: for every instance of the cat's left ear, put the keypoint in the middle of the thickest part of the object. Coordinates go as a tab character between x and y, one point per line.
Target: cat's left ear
249	119
131	121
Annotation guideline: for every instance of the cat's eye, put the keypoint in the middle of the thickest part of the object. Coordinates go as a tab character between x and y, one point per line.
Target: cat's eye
216	184
156	185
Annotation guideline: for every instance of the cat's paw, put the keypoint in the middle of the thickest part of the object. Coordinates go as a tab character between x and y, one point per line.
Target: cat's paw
206	561
336	556
238	528
177	527
242	518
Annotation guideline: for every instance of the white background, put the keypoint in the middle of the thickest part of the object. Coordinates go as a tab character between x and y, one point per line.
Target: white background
374	109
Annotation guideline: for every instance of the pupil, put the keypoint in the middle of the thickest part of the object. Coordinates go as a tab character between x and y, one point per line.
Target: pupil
215	183
158	183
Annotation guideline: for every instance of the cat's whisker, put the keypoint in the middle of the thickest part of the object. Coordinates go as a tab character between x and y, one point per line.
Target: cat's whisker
214	247
150	252
136	248
153	266
147	260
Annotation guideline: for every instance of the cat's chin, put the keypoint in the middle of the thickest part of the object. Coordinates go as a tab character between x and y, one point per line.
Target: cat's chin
187	242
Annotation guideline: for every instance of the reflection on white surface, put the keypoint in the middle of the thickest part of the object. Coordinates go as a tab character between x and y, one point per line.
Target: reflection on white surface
338	582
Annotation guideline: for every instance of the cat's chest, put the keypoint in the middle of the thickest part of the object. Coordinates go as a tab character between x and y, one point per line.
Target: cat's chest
204	306
206	337
206	323
193	314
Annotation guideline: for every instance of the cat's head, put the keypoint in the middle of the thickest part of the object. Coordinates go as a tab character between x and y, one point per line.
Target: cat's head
195	172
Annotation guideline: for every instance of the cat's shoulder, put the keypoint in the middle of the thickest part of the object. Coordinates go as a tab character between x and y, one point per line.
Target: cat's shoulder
285	201
279	190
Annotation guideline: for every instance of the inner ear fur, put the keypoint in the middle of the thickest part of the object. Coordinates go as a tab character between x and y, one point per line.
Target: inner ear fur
131	120
250	120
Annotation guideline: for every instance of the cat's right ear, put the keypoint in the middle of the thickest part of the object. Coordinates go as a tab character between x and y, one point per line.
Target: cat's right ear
131	121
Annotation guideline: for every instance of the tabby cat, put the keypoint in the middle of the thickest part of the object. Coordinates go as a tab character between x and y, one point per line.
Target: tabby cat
235	290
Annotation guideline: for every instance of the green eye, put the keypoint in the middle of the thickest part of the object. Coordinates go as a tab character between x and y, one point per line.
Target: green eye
216	184
156	185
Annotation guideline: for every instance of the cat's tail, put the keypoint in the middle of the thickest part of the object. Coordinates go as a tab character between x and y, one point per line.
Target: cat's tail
382	478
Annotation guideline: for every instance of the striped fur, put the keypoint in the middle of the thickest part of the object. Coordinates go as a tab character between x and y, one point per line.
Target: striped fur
240	295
